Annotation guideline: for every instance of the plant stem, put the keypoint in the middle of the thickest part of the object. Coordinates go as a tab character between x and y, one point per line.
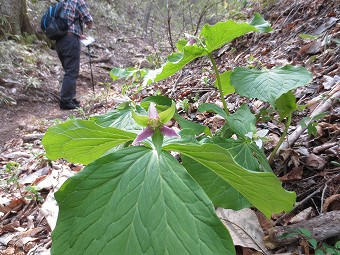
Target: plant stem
282	138
157	139
219	85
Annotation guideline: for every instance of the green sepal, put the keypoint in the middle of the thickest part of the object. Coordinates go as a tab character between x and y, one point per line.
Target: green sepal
168	114
141	120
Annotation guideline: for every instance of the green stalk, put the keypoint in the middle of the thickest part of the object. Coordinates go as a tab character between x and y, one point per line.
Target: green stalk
282	138
157	139
219	85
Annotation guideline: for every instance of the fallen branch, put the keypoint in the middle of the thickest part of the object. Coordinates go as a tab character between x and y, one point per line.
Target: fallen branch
32	137
100	60
173	90
323	147
321	227
322	107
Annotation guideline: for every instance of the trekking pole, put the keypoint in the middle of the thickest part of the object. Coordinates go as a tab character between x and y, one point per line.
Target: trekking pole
88	48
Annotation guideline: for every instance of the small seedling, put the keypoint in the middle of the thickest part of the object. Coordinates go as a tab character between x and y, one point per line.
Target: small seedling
319	248
32	193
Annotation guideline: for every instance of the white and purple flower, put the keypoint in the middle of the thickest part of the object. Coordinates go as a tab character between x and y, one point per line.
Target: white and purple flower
153	122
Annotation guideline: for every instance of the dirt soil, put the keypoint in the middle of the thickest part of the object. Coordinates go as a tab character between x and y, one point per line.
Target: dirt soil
36	104
309	166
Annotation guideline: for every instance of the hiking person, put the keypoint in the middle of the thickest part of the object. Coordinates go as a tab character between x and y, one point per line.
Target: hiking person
68	50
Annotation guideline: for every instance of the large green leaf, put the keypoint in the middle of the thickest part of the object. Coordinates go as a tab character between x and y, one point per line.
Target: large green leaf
220	192
268	85
262	189
286	104
82	141
175	62
118	73
118	118
158	100
195	127
227	88
224	32
135	201
214	37
205	107
242	121
242	152
245	153
260	23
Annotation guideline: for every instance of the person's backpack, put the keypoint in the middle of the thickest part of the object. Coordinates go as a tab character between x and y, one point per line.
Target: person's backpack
54	22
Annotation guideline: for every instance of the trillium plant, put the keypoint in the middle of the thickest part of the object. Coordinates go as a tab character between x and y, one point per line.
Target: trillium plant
147	188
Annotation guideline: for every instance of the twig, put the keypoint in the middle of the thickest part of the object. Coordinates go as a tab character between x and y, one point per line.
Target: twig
323	197
205	9
175	84
299	204
169	25
283	136
323	147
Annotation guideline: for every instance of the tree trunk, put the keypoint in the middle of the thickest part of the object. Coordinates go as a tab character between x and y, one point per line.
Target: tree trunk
15	20
147	16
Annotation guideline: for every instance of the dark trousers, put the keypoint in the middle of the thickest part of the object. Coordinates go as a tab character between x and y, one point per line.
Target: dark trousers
68	49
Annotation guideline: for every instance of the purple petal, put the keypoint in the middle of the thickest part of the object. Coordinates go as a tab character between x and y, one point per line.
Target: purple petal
153	114
143	135
191	41
168	131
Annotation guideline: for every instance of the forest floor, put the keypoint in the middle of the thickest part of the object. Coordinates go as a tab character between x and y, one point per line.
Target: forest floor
309	166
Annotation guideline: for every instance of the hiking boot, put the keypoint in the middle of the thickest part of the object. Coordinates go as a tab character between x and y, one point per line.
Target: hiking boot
67	105
76	102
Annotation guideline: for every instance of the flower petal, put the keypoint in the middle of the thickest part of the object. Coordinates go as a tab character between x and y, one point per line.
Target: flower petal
143	135
249	135
262	132
168	131
153	114
258	143
191	41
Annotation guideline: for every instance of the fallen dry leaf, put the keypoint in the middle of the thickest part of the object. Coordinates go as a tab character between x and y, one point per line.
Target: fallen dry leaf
294	175
244	228
304	215
315	162
13	205
332	203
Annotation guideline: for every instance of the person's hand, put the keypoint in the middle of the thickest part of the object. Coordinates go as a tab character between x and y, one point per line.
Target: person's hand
89	25
82	37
